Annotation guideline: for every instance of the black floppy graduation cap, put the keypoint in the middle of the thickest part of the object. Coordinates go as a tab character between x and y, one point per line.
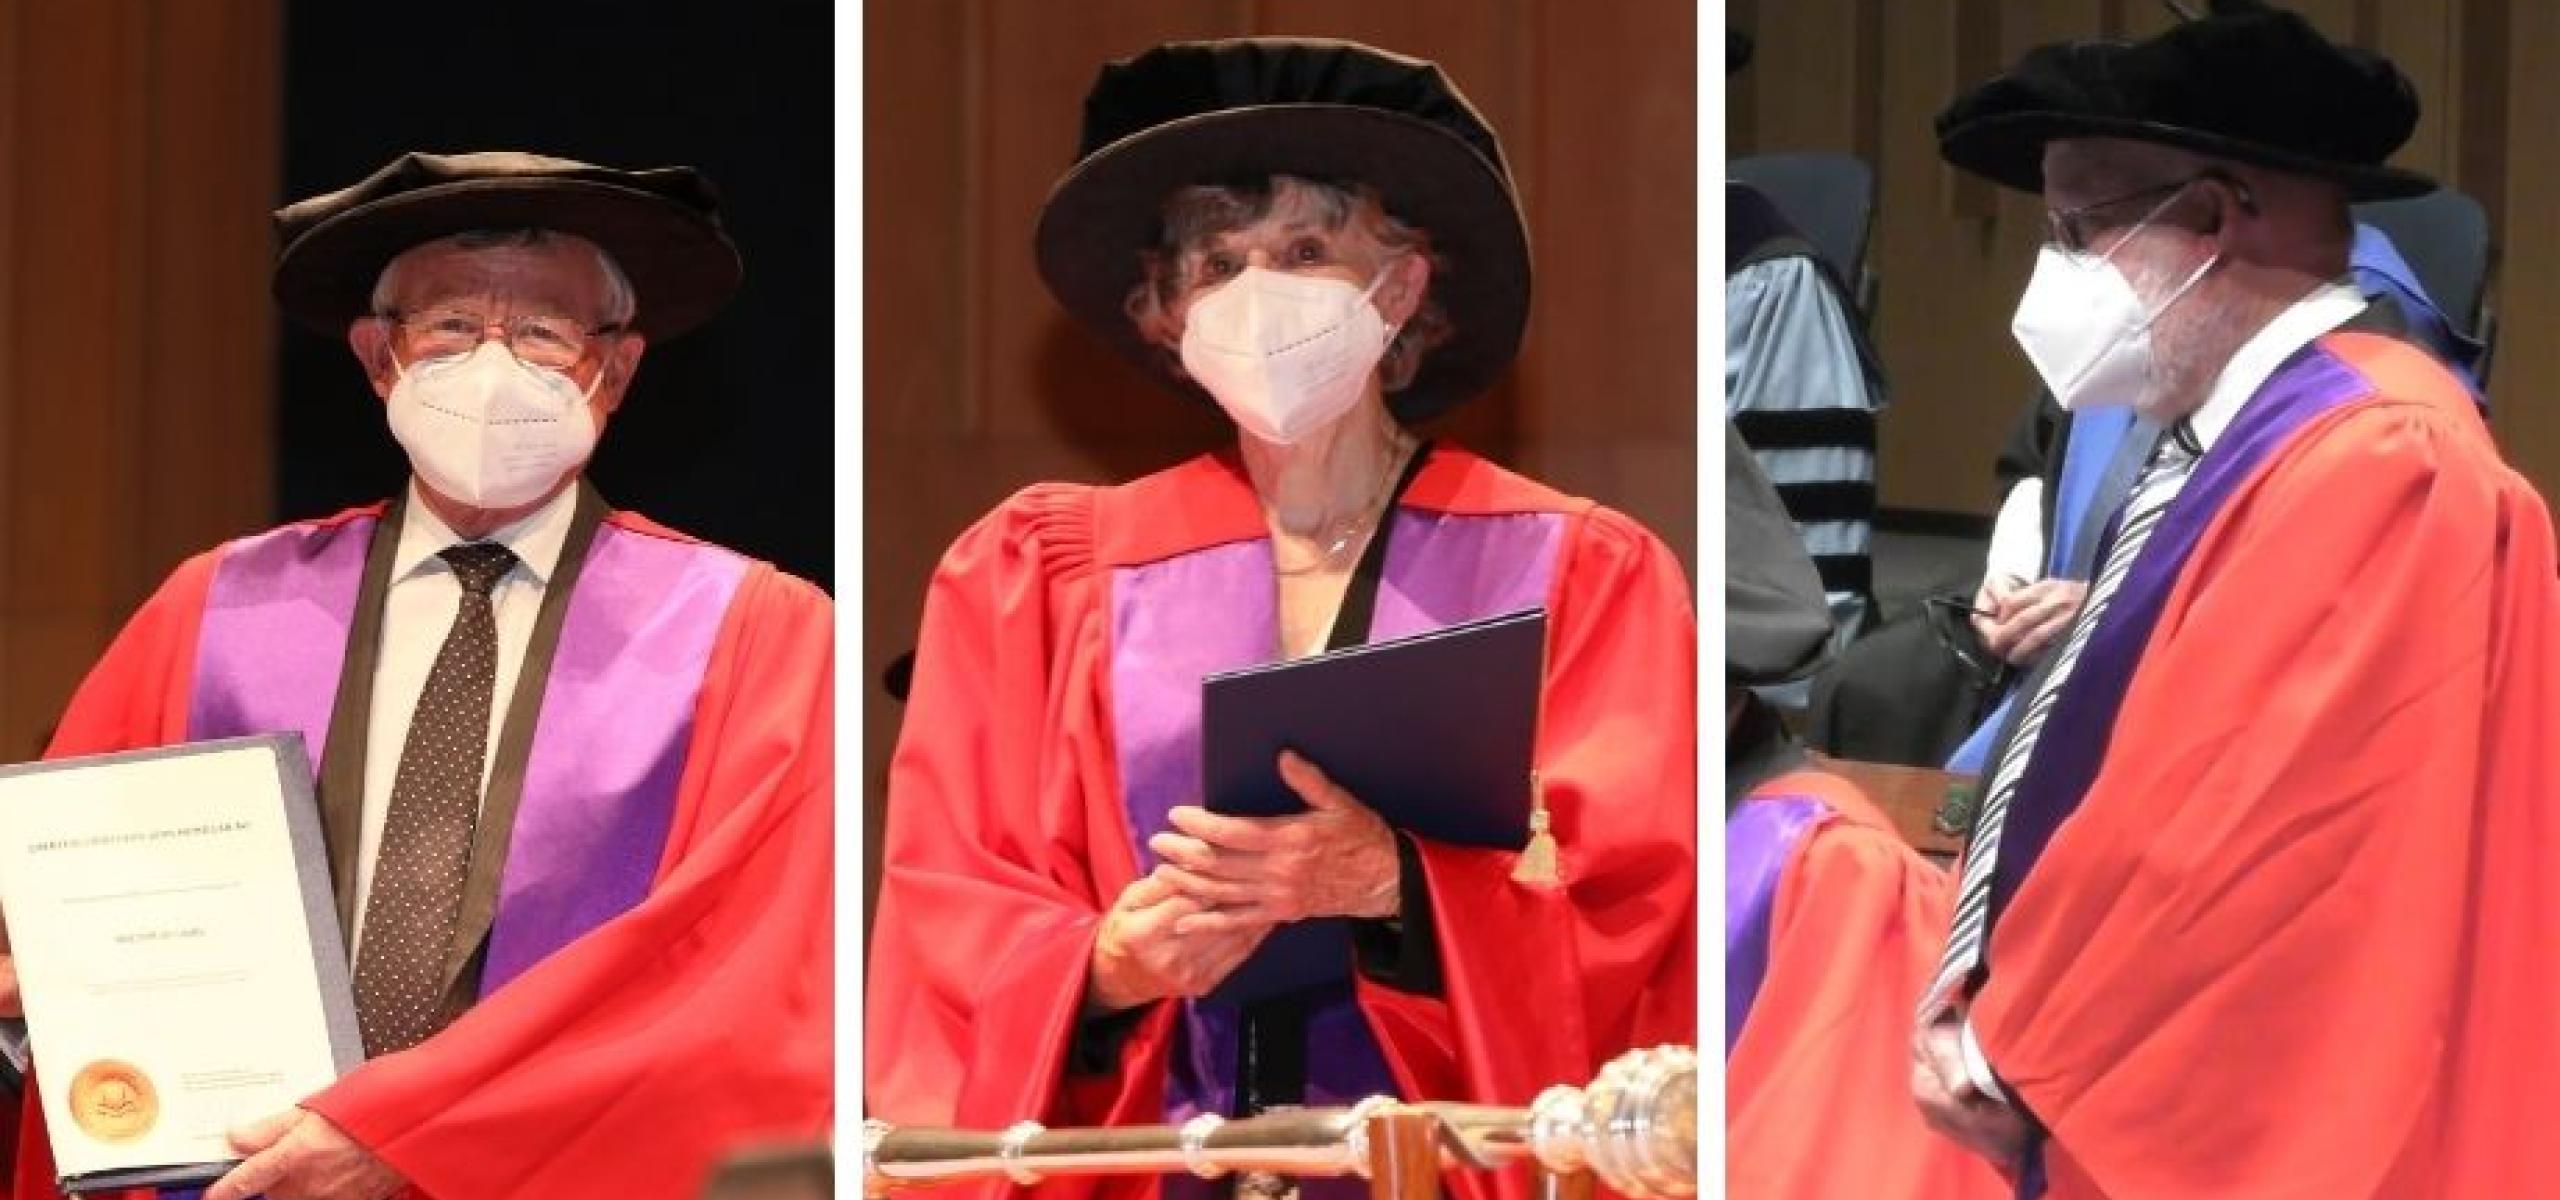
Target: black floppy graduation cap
2244	81
662	227
1187	113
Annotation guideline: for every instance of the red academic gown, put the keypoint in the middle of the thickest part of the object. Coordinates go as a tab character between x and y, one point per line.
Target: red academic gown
1008	837
629	1063
2301	938
1818	1086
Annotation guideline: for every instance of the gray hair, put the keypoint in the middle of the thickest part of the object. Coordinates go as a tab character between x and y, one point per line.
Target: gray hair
1195	215
620	302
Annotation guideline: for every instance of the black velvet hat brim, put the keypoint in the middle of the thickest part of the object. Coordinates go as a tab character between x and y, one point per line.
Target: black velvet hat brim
681	266
2249	83
2008	149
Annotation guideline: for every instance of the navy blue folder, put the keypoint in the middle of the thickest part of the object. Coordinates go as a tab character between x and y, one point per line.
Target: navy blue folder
1434	732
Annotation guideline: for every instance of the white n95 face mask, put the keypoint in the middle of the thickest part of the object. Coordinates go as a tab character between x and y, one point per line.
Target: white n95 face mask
2084	328
488	431
1284	354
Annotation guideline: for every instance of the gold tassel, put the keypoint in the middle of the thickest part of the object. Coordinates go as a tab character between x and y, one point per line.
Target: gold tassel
1537	859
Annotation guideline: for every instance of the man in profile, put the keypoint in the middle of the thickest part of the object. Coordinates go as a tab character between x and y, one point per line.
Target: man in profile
2260	899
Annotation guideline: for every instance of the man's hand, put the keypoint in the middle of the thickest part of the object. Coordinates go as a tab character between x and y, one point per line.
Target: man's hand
2028	617
1335	859
1141	956
1951	1105
301	1155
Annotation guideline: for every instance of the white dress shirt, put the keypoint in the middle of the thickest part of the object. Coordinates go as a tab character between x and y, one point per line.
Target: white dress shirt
418	609
2017	535
2328	306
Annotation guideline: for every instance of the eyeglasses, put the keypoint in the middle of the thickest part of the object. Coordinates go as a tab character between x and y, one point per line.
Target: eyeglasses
2071	229
543	342
1946	617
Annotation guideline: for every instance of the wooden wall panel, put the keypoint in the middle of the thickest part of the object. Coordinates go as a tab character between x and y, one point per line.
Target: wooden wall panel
76	273
13	52
1953	258
2479	100
208	179
136	170
1813	40
976	384
2528	295
1037	60
916	318
1605	378
913	293
2337	18
2419	37
1940	259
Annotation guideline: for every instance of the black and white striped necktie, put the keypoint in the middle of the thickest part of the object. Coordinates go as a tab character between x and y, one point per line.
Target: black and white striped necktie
2171	463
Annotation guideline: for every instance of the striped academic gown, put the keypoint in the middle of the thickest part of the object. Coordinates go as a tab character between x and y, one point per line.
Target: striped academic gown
1803	386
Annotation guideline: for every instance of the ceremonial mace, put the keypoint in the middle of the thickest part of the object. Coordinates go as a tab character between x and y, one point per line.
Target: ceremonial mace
1634	1128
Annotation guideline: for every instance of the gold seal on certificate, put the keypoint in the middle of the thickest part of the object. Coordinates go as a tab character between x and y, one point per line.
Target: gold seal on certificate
178	950
113	1101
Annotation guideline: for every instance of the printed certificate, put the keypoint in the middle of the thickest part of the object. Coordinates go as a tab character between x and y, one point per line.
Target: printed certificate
178	949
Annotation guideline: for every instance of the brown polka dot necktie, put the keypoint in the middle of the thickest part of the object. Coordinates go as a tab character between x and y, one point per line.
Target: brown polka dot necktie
435	803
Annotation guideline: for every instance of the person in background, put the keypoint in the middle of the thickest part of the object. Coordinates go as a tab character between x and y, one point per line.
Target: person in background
1804	387
1832	922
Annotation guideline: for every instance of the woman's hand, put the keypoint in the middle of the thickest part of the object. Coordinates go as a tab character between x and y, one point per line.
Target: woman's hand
1336	859
1141	957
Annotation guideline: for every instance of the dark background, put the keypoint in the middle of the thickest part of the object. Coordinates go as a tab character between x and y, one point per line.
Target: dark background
727	433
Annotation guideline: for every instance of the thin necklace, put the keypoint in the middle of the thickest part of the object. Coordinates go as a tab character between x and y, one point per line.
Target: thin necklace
1349	532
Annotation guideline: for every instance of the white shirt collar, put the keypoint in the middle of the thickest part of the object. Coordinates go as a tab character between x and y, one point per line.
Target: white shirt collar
2328	306
536	537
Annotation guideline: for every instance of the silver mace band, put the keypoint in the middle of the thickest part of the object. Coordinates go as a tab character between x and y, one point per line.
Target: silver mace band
1635	1127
